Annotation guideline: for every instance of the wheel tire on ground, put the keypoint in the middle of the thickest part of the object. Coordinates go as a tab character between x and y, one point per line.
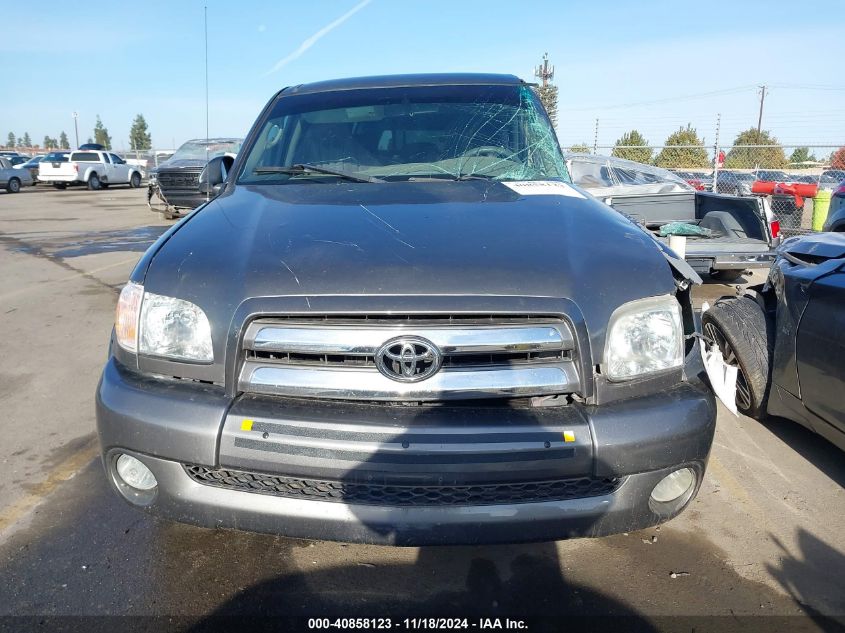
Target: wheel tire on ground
13	186
94	182
726	276
135	180
741	330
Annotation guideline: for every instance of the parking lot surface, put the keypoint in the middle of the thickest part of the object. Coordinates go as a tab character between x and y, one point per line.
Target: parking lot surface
766	535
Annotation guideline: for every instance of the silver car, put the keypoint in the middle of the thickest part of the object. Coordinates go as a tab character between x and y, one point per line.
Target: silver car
13	179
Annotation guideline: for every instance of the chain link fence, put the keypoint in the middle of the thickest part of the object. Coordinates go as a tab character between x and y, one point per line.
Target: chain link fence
146	159
789	176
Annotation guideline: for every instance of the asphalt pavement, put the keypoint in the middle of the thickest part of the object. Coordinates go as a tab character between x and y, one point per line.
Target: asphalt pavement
766	535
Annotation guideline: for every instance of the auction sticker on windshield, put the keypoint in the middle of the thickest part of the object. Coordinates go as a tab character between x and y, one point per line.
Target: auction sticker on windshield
543	188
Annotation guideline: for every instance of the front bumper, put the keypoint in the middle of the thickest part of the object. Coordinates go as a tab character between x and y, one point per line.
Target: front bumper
637	441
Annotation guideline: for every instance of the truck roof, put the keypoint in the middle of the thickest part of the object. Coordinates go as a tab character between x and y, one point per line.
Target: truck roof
394	81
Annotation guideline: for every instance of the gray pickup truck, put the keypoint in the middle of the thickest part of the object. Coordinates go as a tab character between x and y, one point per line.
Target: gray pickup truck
399	322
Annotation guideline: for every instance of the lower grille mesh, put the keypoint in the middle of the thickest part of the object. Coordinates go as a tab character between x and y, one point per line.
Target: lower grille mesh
395	495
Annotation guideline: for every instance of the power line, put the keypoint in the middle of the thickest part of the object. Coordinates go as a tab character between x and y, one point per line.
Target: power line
666	99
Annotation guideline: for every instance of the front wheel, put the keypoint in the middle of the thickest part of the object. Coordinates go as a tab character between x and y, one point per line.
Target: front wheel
740	329
13	186
135	180
94	182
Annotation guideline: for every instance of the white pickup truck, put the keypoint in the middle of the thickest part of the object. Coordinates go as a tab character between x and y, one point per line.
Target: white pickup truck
93	168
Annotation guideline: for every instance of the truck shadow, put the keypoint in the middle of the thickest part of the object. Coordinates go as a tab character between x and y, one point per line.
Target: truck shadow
460	582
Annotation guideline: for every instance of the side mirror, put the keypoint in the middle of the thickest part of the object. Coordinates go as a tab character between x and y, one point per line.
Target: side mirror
214	174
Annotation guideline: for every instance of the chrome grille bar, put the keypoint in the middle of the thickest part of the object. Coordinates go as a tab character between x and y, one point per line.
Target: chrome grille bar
369	384
364	341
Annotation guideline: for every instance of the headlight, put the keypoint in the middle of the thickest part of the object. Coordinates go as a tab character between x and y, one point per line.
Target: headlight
174	328
643	337
161	326
126	316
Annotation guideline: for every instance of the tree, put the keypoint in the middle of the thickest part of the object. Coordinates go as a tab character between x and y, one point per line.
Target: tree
101	134
63	142
747	152
50	143
139	137
581	148
837	159
683	149
26	141
11	142
548	97
632	146
801	155
90	140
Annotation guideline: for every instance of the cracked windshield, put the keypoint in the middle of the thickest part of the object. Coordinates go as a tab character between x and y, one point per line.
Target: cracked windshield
408	133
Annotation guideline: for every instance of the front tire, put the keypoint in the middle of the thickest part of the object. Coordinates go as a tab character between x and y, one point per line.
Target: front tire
741	330
135	180
13	186
94	182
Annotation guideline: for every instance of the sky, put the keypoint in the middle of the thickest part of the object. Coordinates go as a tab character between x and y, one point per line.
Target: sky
653	65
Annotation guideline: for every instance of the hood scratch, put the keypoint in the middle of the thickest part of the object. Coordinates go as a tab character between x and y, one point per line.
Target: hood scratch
290	270
388	225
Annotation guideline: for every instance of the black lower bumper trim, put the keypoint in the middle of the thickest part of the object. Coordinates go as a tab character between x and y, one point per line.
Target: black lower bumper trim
401	495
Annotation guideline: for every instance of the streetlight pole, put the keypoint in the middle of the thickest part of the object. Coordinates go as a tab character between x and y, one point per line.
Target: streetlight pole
76	127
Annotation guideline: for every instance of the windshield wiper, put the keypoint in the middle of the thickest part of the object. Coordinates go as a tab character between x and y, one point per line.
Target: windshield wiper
472	176
304	169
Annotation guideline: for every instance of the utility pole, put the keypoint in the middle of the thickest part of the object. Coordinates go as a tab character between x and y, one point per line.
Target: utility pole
544	73
596	137
205	18
760	116
76	128
716	153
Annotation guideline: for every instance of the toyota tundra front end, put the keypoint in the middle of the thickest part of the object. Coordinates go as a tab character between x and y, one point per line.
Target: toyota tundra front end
400	323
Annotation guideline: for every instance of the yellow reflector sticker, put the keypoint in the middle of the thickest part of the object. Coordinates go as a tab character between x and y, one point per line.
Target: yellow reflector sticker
246	425
568	436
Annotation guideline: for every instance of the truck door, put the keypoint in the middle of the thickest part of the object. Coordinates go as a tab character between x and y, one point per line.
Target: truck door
121	169
820	350
108	169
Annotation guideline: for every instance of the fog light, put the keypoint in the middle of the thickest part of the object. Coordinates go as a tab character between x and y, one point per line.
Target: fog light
674	485
134	474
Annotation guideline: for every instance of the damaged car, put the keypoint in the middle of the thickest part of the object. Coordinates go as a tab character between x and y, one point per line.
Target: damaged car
174	185
397	321
724	235
786	337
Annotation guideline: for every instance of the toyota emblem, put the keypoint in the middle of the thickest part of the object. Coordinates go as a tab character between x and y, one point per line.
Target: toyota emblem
408	359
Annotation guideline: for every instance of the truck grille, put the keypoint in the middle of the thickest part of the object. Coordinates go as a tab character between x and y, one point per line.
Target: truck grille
397	495
479	356
174	180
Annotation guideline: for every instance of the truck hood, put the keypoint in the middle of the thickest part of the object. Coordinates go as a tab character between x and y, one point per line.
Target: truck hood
420	239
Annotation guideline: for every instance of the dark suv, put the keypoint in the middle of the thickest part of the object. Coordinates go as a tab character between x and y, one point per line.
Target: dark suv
399	322
176	180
